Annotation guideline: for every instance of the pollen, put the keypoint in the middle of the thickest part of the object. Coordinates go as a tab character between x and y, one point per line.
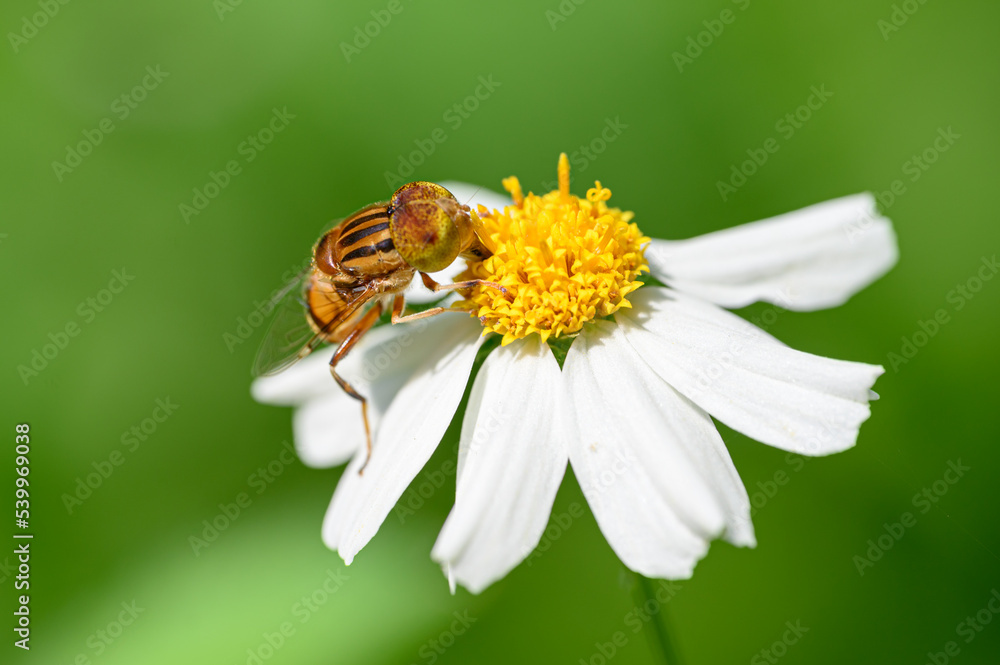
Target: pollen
562	260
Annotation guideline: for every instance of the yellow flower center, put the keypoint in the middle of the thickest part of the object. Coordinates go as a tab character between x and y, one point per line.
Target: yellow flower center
563	261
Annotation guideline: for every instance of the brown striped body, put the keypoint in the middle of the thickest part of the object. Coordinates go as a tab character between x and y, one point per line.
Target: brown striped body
360	246
355	260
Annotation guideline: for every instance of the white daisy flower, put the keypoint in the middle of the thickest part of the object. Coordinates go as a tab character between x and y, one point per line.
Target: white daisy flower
631	408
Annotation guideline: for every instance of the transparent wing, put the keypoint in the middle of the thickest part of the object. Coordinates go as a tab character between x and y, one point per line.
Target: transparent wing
291	337
289	332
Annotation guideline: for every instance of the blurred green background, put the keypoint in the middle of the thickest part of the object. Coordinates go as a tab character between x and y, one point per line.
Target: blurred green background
560	72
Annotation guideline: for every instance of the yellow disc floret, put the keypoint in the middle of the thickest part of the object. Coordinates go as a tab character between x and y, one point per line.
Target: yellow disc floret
562	260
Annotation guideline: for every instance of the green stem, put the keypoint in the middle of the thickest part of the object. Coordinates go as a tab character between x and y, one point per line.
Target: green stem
658	630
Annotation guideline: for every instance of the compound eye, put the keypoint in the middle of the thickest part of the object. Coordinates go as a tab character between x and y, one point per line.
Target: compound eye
424	224
419	191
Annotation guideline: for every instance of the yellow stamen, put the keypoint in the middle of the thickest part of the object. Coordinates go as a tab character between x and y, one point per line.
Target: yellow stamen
513	185
563	171
598	193
562	260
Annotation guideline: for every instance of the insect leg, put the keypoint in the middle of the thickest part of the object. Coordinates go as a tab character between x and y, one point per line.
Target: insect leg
397	311
363	326
467	284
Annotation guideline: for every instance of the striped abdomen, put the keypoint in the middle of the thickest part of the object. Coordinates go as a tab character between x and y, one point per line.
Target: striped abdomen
360	245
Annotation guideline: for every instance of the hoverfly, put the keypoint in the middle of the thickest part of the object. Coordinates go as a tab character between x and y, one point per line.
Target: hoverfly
359	266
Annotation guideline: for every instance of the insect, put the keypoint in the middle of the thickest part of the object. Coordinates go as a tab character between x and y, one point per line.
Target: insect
362	265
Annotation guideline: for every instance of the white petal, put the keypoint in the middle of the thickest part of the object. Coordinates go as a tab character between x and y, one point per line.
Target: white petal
411	429
328	426
809	259
651	464
307	379
310	377
744	377
329	430
473	195
512	458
